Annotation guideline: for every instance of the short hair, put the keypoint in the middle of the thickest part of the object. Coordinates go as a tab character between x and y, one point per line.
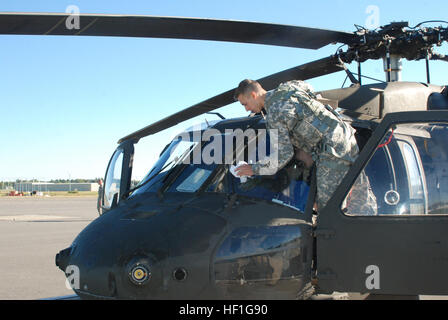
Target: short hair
246	86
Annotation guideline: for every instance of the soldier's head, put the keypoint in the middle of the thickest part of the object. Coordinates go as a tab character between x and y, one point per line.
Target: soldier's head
251	95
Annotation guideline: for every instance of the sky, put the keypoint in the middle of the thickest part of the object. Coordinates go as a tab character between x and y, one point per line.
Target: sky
66	101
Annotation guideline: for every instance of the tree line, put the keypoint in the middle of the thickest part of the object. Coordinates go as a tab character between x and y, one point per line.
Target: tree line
6	184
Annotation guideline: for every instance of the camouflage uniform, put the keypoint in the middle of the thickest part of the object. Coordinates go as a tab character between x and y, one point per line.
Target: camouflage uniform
303	122
99	199
361	200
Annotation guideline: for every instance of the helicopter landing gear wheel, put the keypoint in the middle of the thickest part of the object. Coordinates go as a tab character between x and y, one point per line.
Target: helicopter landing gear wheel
306	292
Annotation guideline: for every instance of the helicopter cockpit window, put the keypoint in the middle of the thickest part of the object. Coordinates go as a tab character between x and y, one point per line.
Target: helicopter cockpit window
200	163
113	178
172	155
205	167
194	180
288	187
406	175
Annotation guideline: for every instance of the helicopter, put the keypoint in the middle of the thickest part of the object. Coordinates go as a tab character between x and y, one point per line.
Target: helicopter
190	229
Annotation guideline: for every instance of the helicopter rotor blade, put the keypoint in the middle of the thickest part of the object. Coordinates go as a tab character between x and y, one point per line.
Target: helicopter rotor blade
169	27
439	56
303	72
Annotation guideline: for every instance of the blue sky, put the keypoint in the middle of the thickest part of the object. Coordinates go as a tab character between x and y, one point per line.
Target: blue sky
66	101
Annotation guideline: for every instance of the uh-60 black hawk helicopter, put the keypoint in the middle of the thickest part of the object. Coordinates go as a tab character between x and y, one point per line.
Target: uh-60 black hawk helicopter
192	230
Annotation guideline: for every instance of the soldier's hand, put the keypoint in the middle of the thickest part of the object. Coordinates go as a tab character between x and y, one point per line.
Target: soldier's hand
244	170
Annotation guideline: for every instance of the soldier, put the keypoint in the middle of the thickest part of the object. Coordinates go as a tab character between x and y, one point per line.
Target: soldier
303	122
100	194
361	200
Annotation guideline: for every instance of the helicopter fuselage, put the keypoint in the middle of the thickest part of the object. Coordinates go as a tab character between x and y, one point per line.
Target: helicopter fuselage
192	230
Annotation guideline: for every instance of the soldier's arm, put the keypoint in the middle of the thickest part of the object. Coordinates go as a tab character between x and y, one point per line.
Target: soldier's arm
282	151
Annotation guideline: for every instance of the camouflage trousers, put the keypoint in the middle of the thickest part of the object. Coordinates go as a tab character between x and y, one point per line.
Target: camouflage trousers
329	174
361	200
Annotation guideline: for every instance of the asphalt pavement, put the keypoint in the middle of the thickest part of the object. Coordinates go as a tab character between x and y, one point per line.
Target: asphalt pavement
32	231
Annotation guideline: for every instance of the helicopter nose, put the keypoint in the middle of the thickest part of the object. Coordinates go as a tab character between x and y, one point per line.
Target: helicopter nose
102	273
62	258
142	254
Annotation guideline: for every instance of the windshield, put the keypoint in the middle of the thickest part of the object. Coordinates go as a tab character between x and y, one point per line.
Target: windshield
187	166
173	154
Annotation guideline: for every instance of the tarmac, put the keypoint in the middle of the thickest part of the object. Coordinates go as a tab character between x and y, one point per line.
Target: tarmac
32	231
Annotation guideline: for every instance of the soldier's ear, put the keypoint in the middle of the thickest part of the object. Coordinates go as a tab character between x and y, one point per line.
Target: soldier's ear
253	94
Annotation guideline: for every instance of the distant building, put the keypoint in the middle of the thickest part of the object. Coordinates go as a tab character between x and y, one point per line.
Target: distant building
48	186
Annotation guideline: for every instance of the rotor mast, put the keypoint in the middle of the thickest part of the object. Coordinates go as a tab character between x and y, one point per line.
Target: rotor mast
392	67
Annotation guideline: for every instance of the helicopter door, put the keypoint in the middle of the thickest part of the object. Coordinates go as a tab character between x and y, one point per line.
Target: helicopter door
384	231
118	175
